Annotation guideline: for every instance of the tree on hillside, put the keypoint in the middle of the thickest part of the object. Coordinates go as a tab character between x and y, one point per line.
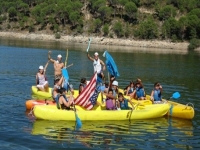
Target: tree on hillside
105	13
12	13
118	29
167	12
131	10
148	29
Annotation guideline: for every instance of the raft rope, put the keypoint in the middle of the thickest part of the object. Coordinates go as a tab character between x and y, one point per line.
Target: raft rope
31	112
171	110
189	104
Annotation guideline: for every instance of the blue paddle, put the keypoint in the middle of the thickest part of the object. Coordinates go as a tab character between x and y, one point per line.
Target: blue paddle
78	120
175	95
89	44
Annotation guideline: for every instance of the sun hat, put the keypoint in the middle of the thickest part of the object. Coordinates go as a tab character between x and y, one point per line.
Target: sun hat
96	54
115	83
41	67
59	56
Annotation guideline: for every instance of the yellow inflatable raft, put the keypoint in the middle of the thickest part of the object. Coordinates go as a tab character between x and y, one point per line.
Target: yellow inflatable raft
46	95
176	109
50	112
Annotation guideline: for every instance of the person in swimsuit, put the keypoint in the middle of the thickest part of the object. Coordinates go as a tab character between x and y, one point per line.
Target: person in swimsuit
58	65
97	63
65	102
41	80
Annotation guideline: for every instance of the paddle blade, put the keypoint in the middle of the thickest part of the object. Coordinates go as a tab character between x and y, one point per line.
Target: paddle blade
176	95
78	121
89	44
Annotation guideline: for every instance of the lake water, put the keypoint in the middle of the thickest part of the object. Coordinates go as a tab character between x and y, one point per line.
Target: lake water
175	70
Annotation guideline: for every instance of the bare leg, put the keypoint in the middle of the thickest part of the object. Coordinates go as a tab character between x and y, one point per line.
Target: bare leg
46	87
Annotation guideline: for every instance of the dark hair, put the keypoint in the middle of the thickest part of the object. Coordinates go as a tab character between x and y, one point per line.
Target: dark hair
61	90
106	84
156	84
83	80
120	94
110	90
56	81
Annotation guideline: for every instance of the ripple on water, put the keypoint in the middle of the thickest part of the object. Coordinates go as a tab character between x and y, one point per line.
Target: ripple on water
156	133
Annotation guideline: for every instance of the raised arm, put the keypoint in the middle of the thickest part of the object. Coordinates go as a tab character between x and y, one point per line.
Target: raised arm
45	67
89	57
49	57
102	63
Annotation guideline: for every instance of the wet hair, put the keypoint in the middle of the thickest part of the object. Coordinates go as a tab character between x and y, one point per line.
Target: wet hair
83	80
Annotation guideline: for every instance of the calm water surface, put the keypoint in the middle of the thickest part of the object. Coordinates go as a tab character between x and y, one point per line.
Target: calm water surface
176	71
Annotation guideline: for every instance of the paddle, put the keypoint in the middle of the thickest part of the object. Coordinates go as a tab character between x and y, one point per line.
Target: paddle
175	95
66	58
90	39
78	120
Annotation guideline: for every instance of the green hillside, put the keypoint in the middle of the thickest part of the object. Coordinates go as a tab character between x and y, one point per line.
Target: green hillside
175	20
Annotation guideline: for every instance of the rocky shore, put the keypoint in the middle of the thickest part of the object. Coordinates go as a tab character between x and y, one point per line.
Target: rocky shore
99	40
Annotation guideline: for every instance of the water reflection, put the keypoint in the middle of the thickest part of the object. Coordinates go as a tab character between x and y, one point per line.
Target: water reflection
104	134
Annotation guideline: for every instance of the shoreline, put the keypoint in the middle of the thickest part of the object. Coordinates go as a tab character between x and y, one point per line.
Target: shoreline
100	41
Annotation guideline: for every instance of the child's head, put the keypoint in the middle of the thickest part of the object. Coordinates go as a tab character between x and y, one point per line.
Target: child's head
83	80
62	90
137	84
131	84
106	85
110	92
120	97
157	85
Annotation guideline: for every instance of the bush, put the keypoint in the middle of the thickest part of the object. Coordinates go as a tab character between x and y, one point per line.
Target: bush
57	35
194	43
106	29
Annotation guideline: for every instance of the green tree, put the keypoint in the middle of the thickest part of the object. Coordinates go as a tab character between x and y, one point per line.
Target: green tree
74	17
131	9
117	28
105	13
106	29
12	12
97	25
167	12
148	29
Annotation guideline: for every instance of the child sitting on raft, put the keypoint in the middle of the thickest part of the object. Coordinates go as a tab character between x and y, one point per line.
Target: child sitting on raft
139	92
156	94
123	102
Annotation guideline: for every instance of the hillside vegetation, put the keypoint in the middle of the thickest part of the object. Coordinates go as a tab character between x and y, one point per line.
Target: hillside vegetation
175	20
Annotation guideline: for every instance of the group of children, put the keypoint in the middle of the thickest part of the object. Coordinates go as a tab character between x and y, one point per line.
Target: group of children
136	90
114	98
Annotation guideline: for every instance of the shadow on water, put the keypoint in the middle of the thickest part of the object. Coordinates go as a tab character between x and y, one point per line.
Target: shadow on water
153	133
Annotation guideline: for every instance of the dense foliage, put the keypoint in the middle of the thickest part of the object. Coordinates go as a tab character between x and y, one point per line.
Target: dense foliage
175	20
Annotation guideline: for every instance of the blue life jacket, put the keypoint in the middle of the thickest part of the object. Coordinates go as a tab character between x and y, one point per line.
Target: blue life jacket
124	105
140	92
157	95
